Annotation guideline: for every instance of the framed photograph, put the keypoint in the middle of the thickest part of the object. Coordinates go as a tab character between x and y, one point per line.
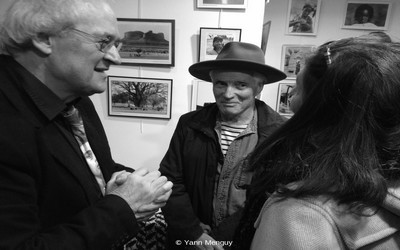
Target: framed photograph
148	42
139	97
202	94
265	35
293	58
213	39
283	101
222	4
302	18
367	15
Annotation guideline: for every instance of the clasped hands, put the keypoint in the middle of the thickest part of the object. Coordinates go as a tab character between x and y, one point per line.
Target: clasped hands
145	191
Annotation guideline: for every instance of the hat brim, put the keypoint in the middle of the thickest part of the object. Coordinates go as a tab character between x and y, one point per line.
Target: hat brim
202	70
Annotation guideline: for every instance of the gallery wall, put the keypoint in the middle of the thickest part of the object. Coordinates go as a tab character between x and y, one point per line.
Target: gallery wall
331	19
142	142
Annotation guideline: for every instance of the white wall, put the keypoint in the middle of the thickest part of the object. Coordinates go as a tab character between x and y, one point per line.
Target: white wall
143	142
329	28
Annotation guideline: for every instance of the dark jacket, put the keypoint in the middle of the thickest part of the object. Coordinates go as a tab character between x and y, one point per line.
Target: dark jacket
191	164
49	199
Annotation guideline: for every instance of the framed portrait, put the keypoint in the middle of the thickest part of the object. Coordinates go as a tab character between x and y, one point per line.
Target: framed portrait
283	101
293	58
213	39
265	35
139	97
367	15
302	17
222	4
148	42
202	94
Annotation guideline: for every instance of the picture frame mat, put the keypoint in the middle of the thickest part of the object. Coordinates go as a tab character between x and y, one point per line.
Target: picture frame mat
207	35
294	8
384	10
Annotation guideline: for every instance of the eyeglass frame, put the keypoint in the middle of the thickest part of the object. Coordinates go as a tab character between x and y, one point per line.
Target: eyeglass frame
106	43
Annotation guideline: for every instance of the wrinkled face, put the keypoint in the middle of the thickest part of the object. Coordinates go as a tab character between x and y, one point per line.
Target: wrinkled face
296	95
235	93
76	66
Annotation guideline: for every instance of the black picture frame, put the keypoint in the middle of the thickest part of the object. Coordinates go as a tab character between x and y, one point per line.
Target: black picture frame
207	36
139	97
147	42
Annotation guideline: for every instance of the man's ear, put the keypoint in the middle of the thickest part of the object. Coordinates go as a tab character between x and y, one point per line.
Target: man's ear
259	89
43	43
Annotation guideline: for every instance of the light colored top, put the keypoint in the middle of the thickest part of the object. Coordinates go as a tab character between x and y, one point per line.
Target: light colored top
319	223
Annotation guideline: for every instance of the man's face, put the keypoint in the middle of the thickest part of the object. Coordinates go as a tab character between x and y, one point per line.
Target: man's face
76	66
234	93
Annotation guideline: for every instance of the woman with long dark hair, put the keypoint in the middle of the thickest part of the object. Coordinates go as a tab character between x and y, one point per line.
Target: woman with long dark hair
329	178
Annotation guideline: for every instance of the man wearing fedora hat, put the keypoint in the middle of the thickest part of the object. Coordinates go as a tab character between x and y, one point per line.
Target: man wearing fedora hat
207	156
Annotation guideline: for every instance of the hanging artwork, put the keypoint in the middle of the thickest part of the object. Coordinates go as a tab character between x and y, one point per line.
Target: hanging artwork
283	103
367	15
293	58
213	39
147	42
139	97
302	17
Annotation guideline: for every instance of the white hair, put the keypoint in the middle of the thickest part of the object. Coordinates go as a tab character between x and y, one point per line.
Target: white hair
26	19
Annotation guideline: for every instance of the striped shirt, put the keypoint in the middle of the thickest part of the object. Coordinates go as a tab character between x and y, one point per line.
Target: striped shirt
229	134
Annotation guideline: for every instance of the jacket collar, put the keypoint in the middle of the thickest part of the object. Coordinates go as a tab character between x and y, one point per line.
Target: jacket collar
204	119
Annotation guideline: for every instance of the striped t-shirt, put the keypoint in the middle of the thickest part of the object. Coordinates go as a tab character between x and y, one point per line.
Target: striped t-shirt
229	134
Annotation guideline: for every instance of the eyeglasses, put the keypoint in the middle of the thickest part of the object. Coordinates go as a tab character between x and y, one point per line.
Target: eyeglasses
106	43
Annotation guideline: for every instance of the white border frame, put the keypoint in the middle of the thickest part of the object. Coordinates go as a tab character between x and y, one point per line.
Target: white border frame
284	87
207	34
359	2
290	15
201	4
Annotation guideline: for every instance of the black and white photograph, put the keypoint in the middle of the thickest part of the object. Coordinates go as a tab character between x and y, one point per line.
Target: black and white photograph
283	101
213	39
139	97
303	16
293	58
367	15
147	41
222	4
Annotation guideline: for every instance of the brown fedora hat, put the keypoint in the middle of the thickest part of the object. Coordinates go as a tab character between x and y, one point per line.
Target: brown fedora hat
237	56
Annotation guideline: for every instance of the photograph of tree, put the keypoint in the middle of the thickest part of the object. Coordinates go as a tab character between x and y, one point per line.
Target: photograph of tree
139	97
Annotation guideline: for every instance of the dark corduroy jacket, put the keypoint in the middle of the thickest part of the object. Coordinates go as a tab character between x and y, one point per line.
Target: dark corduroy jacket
191	164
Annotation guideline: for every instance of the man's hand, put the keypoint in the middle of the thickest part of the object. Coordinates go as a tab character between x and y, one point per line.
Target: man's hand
144	191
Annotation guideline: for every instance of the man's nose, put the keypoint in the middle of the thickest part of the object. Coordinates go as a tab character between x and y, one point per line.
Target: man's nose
113	55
